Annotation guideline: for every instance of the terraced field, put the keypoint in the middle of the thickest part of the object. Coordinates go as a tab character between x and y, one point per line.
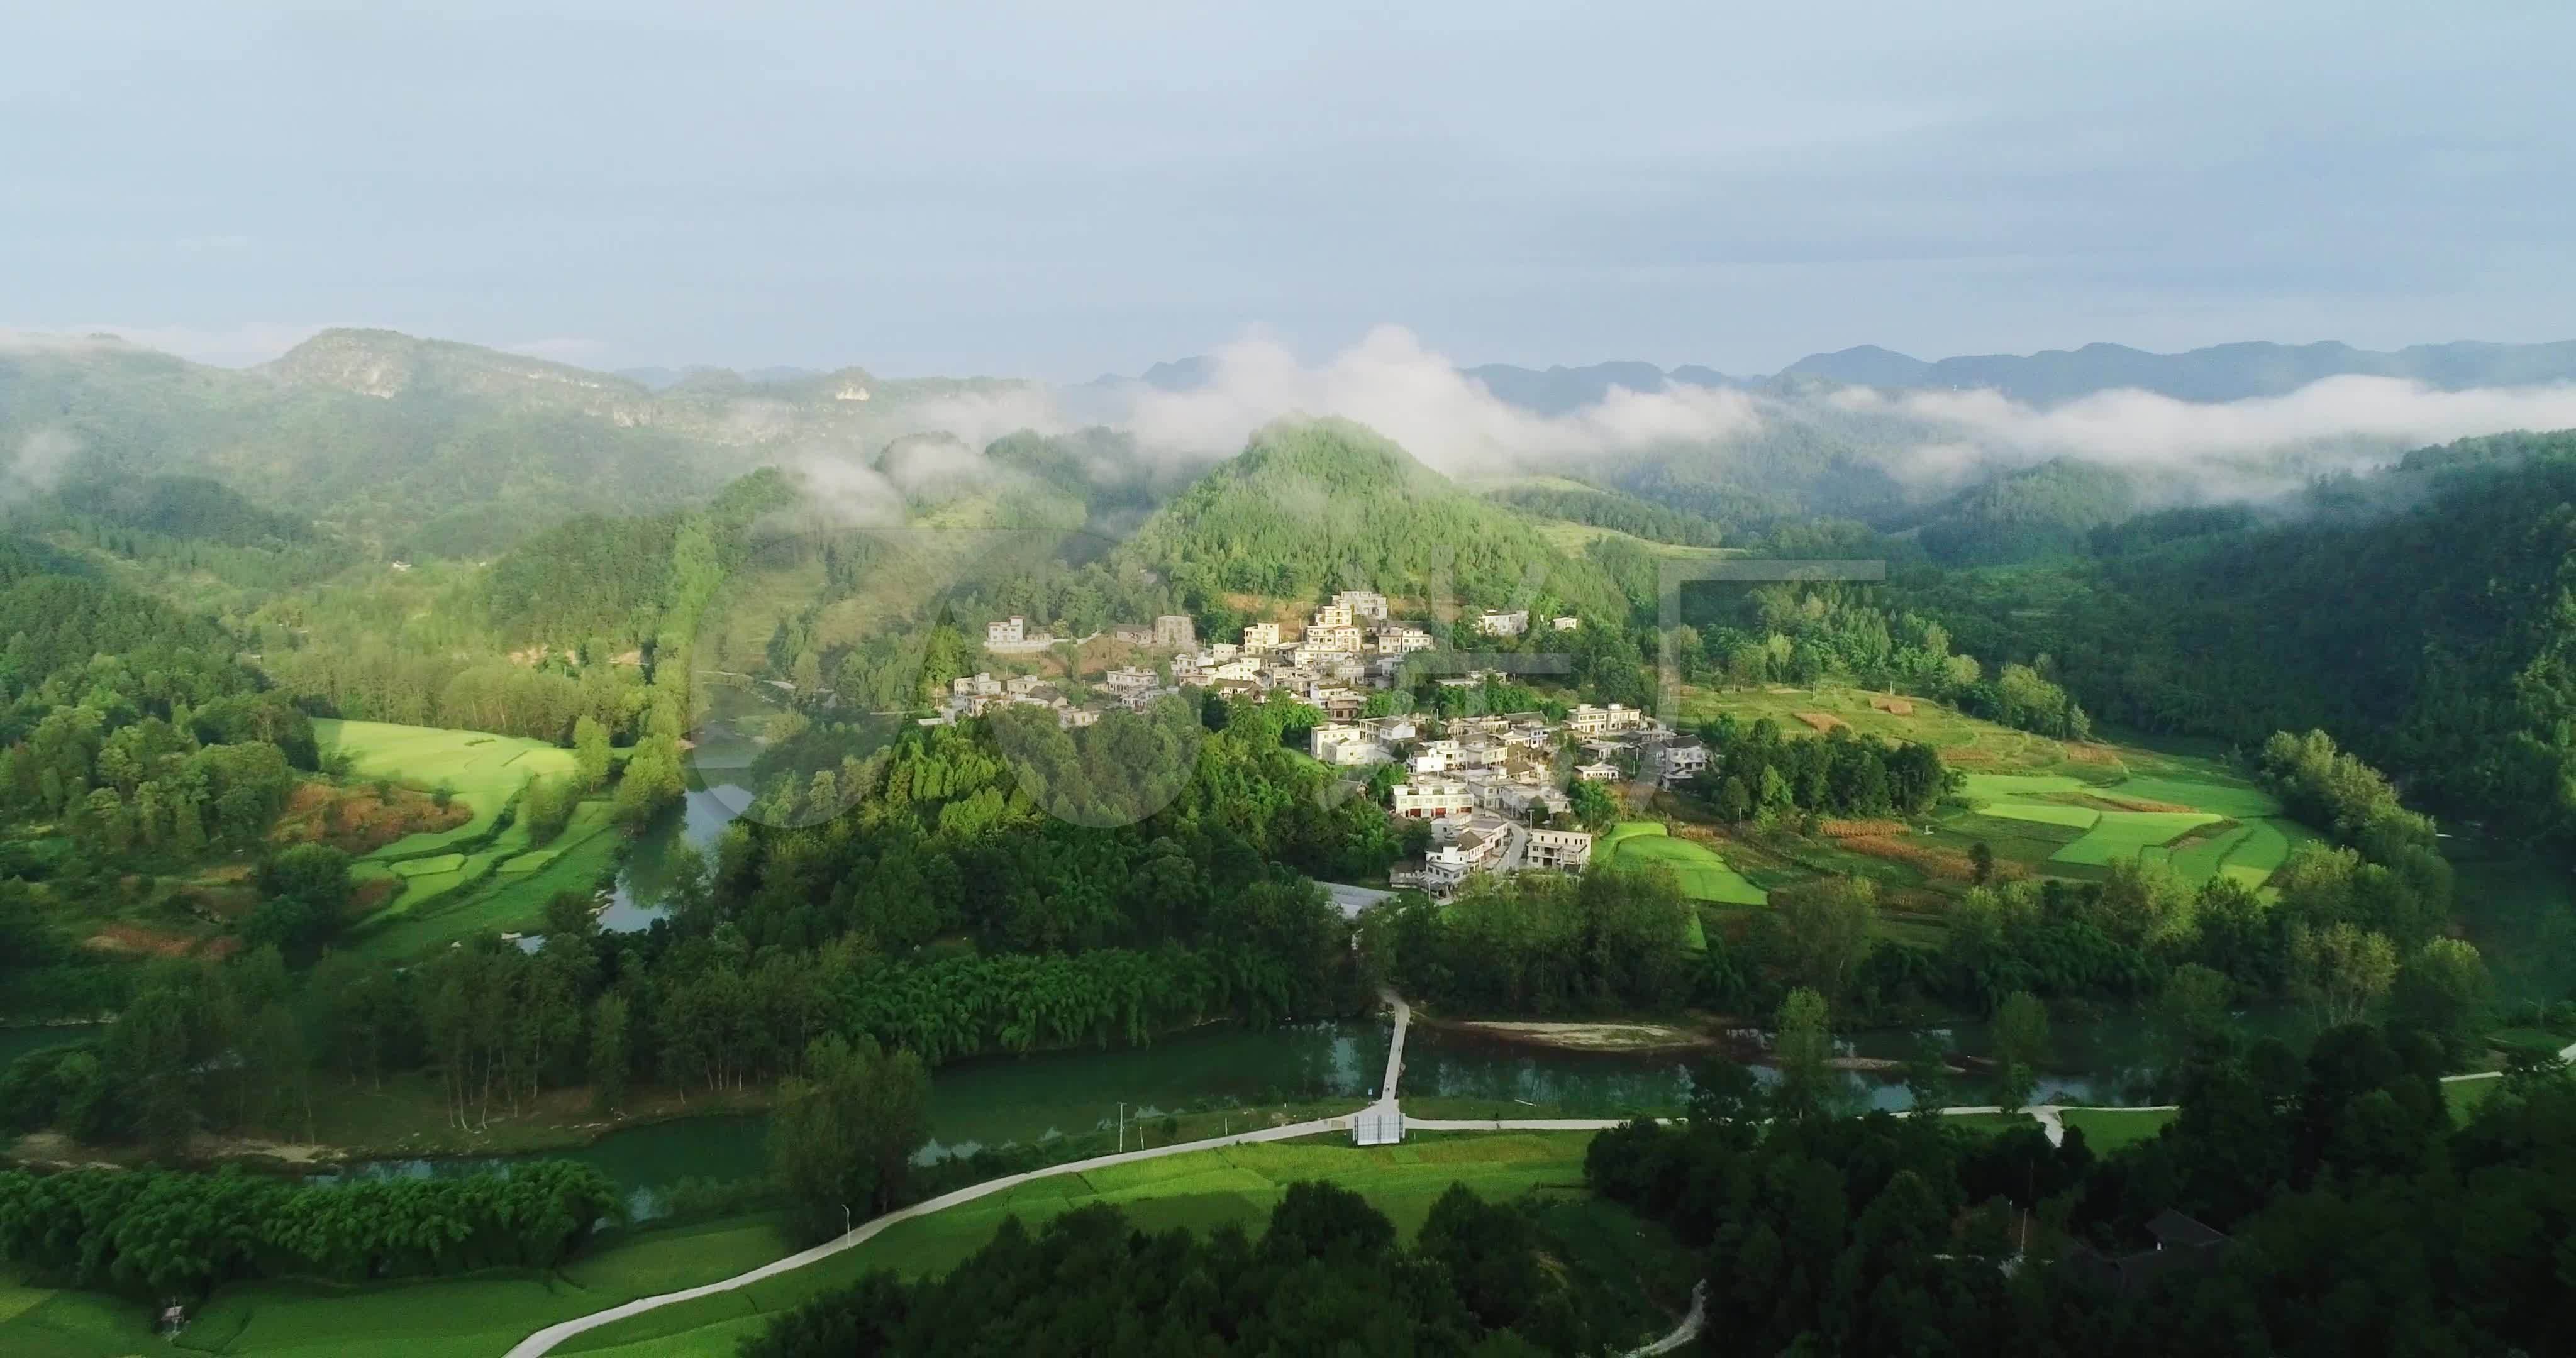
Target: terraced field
1703	874
483	876
2065	808
2233	829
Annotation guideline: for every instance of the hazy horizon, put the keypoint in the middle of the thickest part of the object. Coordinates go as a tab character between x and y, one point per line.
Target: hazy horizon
1059	196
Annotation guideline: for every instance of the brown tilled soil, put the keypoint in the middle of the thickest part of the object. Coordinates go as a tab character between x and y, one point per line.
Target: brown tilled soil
2085	752
1894	707
1822	721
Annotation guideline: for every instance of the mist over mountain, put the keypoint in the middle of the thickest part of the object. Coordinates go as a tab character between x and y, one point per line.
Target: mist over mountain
2223	372
413	443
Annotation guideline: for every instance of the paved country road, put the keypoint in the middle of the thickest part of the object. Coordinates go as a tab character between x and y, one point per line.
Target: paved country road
1351	900
544	1340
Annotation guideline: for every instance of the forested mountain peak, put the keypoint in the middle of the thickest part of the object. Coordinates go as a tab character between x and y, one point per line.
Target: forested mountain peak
1312	503
1339	455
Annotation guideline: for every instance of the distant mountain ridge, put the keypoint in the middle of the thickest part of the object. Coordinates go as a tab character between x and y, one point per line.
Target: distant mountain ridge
2222	372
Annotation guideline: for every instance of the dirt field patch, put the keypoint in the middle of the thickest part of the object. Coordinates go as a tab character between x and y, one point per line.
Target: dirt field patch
2087	752
2117	803
1859	829
1894	707
136	940
1821	721
1936	862
356	821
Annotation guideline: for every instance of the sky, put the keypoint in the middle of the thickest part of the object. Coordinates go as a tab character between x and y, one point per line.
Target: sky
1060	191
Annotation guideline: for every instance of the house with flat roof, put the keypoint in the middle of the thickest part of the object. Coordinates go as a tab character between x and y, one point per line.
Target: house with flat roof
1560	850
1432	799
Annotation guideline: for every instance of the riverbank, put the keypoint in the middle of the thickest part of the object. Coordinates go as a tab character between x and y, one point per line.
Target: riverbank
1609	1035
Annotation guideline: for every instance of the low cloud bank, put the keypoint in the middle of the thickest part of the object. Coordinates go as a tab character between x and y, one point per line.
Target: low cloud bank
2352	421
1392	383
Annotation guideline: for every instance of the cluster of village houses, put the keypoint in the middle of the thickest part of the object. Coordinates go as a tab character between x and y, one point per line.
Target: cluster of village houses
1485	783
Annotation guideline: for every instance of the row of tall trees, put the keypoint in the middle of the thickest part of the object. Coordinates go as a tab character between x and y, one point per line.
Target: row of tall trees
160	1233
1757	773
1543	943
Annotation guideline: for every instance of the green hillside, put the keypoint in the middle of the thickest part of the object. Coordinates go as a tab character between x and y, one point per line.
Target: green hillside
1327	504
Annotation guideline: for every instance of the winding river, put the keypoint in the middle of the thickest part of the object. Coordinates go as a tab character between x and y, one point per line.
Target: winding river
2518	911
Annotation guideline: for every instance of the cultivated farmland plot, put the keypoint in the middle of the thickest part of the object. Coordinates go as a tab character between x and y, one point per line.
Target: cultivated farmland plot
2233	829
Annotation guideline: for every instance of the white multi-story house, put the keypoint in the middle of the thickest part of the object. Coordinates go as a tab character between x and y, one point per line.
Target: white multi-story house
1128	679
983	685
1433	799
1597	773
1401	640
1010	633
1393	730
1363	603
1565	624
1176	631
1678	761
1433	756
1503	624
1260	636
1562	850
1480	752
1331	615
1344	638
1587	720
1346	745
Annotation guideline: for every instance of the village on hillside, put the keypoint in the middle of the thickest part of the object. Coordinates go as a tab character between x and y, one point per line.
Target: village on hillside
1489	785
